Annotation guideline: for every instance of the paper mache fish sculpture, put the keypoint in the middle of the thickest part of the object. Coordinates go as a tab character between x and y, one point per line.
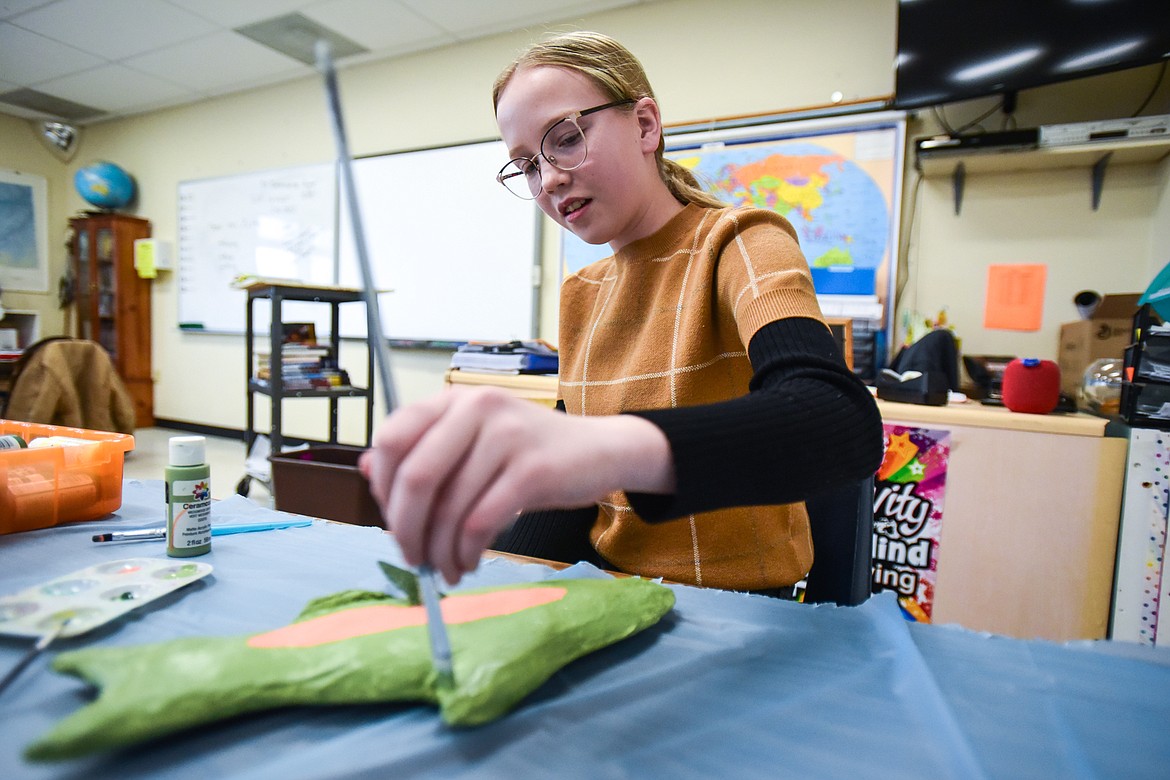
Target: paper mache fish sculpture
354	647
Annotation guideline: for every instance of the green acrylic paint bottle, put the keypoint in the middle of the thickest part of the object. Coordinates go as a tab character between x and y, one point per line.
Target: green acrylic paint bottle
188	485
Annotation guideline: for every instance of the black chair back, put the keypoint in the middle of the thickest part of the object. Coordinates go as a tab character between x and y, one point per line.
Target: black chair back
842	533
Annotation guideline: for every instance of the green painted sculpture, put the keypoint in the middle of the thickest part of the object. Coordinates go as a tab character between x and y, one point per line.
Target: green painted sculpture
354	647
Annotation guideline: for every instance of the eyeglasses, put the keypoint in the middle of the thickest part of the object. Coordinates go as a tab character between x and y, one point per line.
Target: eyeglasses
563	146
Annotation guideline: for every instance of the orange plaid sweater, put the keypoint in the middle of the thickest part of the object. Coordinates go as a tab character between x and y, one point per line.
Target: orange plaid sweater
665	324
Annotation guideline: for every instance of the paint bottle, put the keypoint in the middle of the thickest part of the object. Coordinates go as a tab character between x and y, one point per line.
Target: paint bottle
188	487
12	441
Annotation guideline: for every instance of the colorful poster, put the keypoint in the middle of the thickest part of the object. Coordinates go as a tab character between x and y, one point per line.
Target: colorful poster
907	516
837	183
24	235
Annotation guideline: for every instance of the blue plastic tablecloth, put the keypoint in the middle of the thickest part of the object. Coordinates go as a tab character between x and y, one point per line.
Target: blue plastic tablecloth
727	685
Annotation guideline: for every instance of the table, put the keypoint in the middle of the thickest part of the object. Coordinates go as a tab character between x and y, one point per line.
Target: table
541	388
727	685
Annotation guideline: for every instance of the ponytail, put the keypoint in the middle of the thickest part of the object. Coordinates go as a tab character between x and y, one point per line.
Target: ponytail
683	185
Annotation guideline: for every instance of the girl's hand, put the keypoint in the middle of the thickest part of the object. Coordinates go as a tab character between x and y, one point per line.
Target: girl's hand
453	471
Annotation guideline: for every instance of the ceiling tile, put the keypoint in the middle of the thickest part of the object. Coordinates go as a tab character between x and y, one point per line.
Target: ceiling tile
28	58
180	51
10	8
101	28
112	87
381	26
236	13
477	19
215	62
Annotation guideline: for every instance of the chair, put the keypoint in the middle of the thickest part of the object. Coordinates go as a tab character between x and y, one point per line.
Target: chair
842	533
72	382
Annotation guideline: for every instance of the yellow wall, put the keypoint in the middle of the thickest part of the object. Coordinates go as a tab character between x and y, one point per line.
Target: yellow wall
776	56
1036	217
21	151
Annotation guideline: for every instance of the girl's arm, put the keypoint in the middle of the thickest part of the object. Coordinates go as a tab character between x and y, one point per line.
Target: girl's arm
807	425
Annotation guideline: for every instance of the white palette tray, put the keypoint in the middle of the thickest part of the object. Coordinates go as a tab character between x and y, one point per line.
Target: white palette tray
95	595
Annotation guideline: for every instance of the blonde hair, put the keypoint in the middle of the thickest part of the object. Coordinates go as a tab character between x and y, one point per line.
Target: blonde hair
619	74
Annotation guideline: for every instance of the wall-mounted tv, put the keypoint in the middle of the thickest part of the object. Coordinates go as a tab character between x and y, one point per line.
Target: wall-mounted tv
950	50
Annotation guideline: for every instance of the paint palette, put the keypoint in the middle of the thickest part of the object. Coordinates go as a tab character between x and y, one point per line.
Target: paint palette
94	596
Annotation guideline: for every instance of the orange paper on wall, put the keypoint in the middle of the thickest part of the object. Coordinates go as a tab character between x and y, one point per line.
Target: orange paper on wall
1015	297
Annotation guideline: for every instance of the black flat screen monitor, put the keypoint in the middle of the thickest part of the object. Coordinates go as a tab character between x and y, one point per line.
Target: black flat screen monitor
950	50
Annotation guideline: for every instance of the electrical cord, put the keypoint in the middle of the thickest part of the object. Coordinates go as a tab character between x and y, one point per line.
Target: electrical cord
1153	90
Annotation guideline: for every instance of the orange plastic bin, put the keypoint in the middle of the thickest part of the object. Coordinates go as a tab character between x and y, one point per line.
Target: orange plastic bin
41	488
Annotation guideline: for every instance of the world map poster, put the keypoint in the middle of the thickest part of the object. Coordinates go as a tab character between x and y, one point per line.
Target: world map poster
23	232
839	187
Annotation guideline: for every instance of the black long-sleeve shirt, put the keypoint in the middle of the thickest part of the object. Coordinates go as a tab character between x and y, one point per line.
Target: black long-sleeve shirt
806	425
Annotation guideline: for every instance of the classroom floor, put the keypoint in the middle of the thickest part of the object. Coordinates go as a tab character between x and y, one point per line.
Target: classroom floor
226	456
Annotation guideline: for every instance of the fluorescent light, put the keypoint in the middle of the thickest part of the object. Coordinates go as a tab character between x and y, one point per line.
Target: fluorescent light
1001	64
1104	56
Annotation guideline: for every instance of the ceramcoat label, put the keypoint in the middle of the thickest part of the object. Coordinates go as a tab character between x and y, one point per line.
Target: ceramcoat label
190	513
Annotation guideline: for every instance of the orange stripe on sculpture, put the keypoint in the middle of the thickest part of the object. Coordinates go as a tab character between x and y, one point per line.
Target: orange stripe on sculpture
377	618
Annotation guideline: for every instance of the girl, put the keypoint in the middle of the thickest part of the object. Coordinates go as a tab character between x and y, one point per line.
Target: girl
705	396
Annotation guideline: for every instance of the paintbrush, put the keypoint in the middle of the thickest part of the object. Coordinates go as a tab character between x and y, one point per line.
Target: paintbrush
41	645
436	629
154	533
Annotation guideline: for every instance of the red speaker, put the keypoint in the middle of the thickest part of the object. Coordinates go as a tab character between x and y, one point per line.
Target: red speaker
1031	385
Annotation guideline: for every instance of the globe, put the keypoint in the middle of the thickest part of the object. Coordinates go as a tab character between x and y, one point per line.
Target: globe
104	184
1100	389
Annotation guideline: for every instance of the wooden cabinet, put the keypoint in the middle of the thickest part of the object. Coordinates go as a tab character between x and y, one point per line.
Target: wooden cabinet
112	302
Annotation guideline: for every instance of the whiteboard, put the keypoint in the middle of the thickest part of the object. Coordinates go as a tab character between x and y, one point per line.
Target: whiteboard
278	223
459	254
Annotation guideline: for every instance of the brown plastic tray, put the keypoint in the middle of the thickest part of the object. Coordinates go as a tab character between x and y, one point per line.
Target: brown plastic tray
323	482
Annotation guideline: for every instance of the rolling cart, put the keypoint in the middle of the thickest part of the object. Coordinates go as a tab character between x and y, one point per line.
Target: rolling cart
275	386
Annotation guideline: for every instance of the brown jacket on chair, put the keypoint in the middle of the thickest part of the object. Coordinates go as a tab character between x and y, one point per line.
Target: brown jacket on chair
70	382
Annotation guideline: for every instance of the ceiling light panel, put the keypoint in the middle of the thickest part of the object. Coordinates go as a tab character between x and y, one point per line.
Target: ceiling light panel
297	34
40	103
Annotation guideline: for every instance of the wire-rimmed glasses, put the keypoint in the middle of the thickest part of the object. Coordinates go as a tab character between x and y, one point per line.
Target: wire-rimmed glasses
563	146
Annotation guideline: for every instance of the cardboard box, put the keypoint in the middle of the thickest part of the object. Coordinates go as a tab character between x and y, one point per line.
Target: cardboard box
40	488
1104	335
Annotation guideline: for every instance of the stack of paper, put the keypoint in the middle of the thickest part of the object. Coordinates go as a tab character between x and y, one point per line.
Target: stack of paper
514	357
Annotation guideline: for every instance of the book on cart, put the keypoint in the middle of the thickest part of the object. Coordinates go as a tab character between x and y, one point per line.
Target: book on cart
534	356
304	365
